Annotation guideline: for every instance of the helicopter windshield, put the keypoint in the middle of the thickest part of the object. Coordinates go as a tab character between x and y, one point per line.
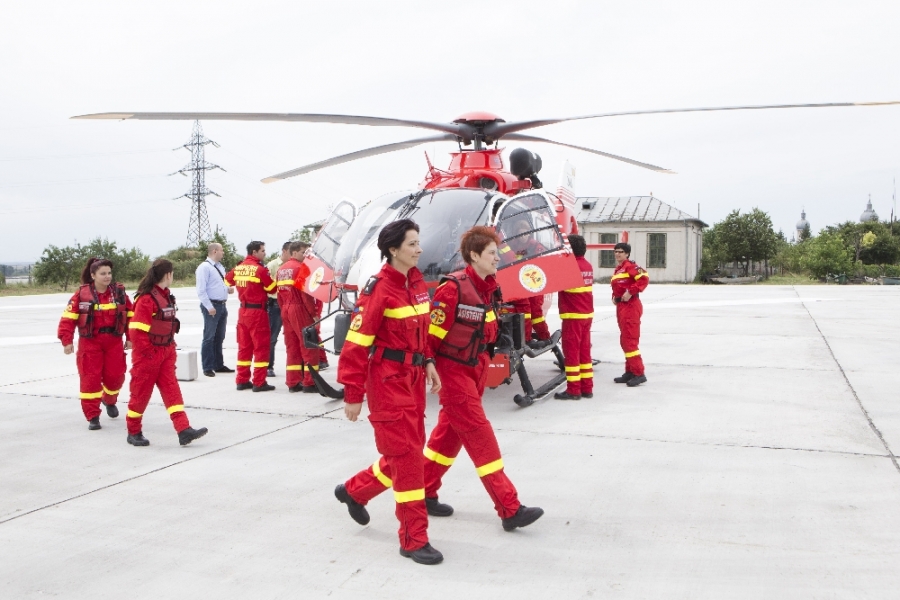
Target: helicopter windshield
527	223
442	215
328	243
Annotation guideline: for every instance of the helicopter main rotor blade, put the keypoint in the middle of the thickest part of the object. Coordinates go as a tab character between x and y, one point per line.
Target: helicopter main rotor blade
497	130
531	138
460	129
360	154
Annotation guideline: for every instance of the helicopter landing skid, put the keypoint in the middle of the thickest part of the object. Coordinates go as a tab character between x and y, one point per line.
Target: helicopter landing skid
532	394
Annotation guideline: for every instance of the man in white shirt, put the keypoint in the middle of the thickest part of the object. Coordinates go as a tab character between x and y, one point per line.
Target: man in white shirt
213	294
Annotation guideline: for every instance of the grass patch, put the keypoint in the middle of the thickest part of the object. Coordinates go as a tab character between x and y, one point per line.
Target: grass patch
33	289
789	279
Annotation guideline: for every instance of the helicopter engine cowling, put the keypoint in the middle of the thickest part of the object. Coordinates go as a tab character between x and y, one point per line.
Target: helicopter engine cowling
526	164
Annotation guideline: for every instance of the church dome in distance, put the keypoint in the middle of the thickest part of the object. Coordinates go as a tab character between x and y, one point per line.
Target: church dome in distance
802	223
869	214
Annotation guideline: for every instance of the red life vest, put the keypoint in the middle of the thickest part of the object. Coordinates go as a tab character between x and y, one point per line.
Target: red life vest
163	325
88	302
465	338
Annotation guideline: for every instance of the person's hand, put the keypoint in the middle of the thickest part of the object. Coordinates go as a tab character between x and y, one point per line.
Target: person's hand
69	349
128	344
230	290
211	311
613	300
432	377
352	410
626	296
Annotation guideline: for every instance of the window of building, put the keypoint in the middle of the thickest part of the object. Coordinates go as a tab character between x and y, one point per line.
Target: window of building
607	258
656	250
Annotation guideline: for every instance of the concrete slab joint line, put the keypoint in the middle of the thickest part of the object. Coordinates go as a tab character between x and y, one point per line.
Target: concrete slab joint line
849	385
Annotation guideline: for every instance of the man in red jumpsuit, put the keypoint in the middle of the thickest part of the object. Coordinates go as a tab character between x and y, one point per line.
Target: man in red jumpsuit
627	282
576	309
253	282
298	310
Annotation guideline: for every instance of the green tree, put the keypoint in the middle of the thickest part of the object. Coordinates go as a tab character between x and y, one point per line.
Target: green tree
231	256
828	255
61	266
304	234
805	233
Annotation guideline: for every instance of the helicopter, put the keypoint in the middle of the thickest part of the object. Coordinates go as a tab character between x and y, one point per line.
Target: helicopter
475	189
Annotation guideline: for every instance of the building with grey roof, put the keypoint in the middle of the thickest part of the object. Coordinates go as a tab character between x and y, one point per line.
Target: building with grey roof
664	240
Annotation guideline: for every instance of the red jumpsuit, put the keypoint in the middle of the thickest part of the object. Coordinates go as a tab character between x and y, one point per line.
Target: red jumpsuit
391	318
461	421
298	310
153	361
101	321
628	277
253	283
576	309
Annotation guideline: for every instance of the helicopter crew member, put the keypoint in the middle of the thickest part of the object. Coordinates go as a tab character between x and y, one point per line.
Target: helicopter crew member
153	330
628	281
253	284
464	327
297	311
576	309
386	359
100	311
272	306
522	246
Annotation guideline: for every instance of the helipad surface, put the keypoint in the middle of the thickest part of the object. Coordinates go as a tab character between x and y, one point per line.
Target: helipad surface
756	463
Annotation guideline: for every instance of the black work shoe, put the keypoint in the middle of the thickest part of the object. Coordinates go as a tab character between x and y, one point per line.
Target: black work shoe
296	388
209	373
436	508
138	439
94	424
625	378
426	555
524	516
323	365
112	411
637	380
310	389
186	436
357	511
566	396
539	344
587	395
245	386
223	369
263	388
270	372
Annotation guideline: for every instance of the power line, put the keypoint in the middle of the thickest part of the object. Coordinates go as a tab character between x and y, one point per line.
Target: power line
198	225
18	158
68	181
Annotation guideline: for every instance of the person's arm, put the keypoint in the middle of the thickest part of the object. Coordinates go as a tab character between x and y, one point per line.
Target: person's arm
139	327
443	314
353	364
202	274
129	314
67	322
265	279
640	281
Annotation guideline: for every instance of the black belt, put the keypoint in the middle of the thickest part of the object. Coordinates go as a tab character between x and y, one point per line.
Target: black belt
217	301
407	358
107	330
251	305
619	298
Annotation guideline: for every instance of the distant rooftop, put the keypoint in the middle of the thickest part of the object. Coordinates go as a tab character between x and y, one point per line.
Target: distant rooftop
628	208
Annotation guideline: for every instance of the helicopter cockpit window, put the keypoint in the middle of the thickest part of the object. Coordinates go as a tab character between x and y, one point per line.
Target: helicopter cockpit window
443	216
328	242
527	224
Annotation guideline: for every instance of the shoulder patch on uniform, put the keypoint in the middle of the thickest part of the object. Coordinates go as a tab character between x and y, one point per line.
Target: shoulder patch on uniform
370	285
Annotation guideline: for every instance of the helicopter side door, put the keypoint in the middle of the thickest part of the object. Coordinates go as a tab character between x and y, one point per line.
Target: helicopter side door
535	259
320	258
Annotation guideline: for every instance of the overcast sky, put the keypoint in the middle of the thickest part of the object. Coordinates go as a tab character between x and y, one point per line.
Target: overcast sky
63	180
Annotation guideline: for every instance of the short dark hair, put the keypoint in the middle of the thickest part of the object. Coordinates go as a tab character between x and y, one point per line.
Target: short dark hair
623	246
393	234
298	246
91	267
286	245
476	240
579	246
254	246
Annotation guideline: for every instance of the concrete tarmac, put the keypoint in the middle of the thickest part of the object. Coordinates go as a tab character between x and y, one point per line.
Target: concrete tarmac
758	461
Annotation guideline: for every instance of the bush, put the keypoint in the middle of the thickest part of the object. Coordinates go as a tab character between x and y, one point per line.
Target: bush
827	255
185	260
62	266
892	270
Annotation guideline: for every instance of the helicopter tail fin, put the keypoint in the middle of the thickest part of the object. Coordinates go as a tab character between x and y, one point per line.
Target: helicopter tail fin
566	189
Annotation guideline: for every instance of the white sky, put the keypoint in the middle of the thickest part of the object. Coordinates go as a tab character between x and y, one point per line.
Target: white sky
63	180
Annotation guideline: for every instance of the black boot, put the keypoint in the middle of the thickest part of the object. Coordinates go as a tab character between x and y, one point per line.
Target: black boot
426	555
625	378
310	389
112	411
138	439
296	388
244	386
566	396
186	436
437	508
94	424
524	516
263	388
357	511
637	380
587	394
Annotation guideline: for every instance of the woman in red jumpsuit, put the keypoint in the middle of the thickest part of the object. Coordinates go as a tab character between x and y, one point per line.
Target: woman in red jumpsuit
463	329
100	311
386	359
153	330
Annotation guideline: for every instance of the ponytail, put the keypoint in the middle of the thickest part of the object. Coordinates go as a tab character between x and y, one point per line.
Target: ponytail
159	269
91	267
